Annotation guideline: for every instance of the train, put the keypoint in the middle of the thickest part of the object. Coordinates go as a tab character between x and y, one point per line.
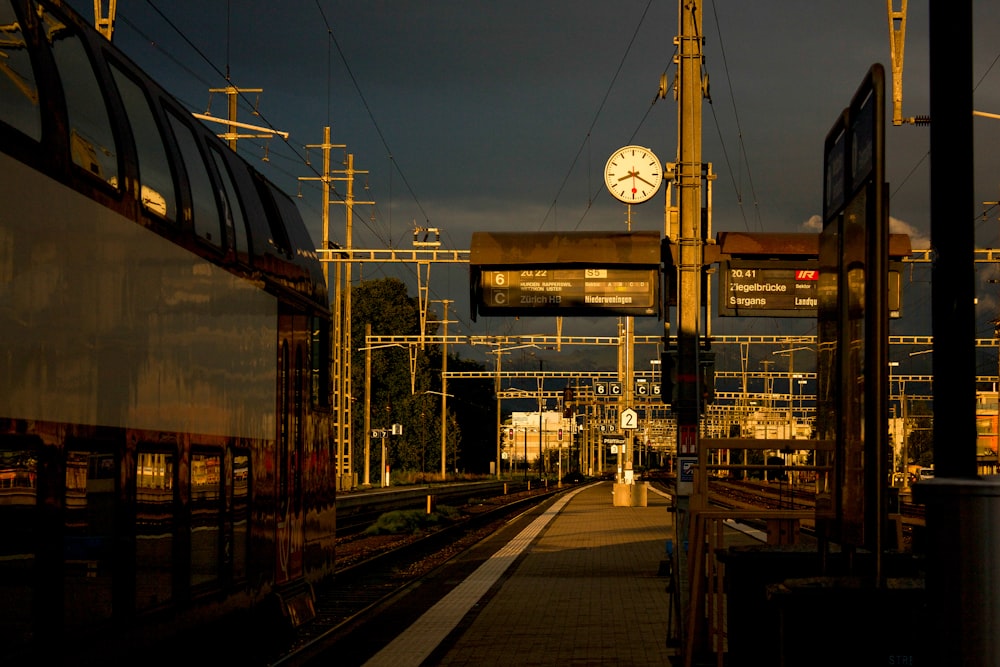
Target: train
165	337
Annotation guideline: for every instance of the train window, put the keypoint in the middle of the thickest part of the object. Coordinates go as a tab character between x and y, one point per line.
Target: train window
22	533
89	538
18	92
284	380
269	198
240	514
299	418
154	527
288	213
206	517
157	183
92	142
236	223
320	359
207	224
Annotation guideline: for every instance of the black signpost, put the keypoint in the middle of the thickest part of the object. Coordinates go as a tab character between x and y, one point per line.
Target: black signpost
852	364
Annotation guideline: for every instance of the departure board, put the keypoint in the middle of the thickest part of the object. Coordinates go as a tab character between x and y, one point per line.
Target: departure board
769	288
547	290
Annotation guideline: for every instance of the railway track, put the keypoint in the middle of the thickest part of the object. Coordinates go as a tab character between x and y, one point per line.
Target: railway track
753	494
357	511
372	572
361	590
786	496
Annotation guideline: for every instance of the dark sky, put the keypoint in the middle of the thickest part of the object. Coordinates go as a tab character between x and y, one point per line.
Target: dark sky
501	115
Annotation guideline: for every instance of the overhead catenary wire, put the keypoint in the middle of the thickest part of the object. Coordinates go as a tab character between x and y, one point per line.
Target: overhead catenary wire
300	159
593	123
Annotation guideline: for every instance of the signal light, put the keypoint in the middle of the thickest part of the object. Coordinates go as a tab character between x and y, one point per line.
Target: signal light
668	376
568	405
706	360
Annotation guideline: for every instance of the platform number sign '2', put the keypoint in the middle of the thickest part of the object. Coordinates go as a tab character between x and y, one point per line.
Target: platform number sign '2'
629	419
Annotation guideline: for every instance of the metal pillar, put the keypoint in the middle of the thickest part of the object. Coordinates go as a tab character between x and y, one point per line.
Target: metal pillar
962	511
344	317
444	390
690	90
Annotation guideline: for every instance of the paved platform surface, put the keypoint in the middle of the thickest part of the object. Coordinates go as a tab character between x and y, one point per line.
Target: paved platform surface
578	586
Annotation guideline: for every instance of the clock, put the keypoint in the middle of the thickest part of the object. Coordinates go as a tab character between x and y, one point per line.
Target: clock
633	174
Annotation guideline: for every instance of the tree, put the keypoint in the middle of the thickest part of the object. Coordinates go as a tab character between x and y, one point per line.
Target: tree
474	408
406	384
920	440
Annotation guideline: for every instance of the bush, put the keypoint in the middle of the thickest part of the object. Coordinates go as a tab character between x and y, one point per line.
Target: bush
410	521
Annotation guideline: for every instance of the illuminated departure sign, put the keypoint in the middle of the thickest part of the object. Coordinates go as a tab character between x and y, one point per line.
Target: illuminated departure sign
526	290
768	288
590	274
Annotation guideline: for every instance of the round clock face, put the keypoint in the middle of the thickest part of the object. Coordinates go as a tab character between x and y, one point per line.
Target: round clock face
633	174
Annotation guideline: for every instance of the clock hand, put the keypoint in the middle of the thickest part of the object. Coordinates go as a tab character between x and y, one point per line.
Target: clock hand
644	180
629	174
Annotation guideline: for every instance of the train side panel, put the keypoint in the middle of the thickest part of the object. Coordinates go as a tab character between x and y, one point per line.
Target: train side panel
164	360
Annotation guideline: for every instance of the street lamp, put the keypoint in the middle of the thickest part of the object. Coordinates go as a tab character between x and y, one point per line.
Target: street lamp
525	453
542	467
801	408
791	363
444	424
496	386
906	435
902	455
368	403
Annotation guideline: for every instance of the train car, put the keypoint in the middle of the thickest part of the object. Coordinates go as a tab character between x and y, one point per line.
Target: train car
165	455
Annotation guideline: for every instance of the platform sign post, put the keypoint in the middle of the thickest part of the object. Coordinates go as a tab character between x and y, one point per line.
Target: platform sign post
853	314
629	419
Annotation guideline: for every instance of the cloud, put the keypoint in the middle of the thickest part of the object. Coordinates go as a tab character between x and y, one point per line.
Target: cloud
918	239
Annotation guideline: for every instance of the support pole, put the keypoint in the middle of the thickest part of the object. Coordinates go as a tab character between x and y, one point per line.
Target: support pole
368	405
444	391
690	89
344	316
962	511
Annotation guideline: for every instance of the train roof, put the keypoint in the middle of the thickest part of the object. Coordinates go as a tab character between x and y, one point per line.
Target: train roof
270	244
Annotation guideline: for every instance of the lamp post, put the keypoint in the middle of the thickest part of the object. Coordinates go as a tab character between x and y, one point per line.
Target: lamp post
542	467
902	463
525	453
906	435
802	382
496	385
791	366
444	397
368	402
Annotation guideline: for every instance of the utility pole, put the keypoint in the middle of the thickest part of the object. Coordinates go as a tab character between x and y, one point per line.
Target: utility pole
105	22
232	94
344	386
690	90
496	390
542	463
444	389
336	348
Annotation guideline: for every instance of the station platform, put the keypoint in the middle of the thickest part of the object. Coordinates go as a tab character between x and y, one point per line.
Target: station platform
580	584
